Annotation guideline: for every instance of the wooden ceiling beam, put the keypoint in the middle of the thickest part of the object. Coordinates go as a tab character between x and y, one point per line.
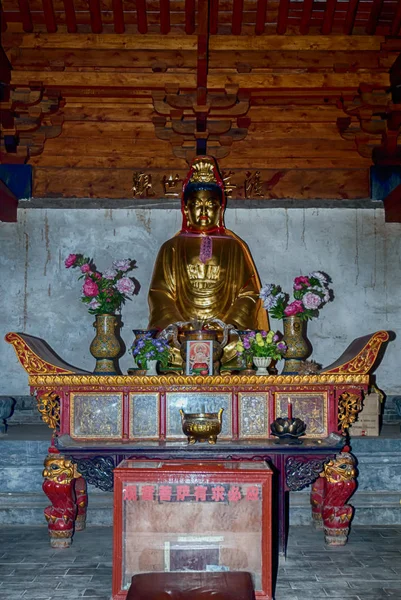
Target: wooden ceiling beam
118	14
329	16
350	17
261	8
189	17
26	17
70	16
165	16
238	9
95	16
374	17
282	17
396	24
141	16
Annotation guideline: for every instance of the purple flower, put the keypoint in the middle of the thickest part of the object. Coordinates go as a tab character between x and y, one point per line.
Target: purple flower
125	285
266	291
281	346
246	344
122	265
264	333
251	334
311	301
93	304
109	274
276	338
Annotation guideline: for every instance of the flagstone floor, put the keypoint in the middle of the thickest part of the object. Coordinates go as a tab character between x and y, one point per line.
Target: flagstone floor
368	568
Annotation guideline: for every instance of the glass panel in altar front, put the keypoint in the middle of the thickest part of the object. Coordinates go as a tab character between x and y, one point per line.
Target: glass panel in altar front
197	402
190	524
144	415
94	415
253	415
311	407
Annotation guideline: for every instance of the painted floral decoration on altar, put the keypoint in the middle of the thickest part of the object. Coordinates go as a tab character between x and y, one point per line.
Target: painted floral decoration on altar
148	348
310	293
261	344
104	293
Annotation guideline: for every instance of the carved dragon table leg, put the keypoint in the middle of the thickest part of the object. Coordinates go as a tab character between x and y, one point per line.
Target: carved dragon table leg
59	488
340	477
317	495
82	502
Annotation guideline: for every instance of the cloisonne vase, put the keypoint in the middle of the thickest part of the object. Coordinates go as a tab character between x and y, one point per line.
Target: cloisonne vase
105	346
298	345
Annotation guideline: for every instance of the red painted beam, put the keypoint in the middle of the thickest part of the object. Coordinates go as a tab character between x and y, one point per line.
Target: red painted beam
3	19
329	16
70	16
50	17
282	18
189	17
350	17
164	16
214	16
374	17
306	17
118	15
8	204
238	10
95	16
392	206
261	7
141	16
396	24
26	18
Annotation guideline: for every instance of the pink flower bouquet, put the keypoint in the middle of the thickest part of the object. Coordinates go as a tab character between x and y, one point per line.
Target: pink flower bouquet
104	293
310	293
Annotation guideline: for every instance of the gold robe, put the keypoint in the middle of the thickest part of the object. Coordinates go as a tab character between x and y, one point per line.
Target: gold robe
226	287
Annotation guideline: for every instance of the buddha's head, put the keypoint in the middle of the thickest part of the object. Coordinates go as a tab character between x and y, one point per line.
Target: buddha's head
203	200
202	206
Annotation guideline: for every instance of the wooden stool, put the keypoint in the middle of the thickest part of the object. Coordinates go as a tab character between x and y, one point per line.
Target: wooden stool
235	585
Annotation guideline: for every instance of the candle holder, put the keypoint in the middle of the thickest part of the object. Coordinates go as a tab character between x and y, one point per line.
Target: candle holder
288	430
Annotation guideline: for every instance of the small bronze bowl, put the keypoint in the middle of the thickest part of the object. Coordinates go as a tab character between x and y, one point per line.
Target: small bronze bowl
288	430
201	427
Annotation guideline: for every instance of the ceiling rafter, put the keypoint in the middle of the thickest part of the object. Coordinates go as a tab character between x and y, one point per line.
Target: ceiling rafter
118	13
396	24
350	16
26	17
70	16
282	19
50	17
328	18
374	16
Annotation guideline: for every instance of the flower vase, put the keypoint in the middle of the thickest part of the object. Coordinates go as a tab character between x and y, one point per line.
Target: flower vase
261	364
105	346
298	345
151	368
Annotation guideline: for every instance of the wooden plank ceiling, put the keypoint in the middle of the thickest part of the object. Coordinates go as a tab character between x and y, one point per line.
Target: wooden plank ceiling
112	98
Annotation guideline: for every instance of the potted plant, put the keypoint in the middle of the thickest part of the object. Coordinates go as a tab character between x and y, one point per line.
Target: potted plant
104	294
262	346
148	351
310	293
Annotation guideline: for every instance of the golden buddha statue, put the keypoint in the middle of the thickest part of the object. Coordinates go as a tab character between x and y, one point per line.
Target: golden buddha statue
205	271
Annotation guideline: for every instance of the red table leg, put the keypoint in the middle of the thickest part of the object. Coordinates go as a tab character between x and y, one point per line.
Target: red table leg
59	488
317	495
339	474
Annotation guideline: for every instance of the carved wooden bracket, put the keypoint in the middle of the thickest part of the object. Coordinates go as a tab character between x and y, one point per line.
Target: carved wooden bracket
28	118
178	118
373	124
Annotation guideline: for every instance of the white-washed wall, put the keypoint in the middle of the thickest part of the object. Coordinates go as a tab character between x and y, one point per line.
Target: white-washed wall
355	247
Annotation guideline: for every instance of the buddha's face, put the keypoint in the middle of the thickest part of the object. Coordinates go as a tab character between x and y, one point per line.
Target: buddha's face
203	209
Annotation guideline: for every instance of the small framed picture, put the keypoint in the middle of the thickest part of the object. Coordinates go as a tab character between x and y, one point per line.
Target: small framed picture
199	357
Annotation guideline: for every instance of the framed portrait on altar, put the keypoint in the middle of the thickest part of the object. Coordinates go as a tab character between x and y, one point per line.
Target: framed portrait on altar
199	357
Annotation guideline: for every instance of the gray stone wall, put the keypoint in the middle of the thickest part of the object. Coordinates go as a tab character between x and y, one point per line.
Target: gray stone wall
355	247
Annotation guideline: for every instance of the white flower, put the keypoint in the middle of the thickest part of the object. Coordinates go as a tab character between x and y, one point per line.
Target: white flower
122	265
320	276
311	301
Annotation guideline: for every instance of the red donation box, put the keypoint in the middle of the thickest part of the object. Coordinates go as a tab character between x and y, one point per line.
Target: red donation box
172	516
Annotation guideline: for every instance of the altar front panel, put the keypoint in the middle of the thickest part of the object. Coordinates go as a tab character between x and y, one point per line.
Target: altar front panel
198	517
